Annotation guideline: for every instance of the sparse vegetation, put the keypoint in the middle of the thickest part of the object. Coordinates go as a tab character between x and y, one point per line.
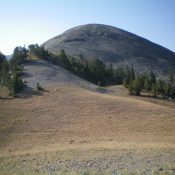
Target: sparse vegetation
149	84
42	133
10	72
93	70
40	52
100	74
39	88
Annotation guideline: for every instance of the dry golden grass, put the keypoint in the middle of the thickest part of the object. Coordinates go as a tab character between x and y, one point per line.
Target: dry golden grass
71	114
4	92
68	118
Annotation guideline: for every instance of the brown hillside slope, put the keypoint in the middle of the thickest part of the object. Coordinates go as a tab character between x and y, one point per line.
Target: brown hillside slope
68	127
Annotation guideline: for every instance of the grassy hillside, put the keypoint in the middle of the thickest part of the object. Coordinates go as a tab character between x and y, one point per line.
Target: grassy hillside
71	130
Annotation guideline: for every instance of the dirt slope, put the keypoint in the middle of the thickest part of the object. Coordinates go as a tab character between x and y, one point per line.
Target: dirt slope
71	128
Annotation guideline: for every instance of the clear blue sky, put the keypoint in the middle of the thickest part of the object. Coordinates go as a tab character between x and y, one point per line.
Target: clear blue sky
24	22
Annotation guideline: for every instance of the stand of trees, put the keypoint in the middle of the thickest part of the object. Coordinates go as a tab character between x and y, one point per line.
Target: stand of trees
148	83
10	72
93	70
38	51
4	71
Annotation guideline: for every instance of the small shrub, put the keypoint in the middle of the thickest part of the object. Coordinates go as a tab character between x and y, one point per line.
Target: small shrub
39	88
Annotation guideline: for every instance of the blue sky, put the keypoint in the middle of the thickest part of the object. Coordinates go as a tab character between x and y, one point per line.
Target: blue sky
24	22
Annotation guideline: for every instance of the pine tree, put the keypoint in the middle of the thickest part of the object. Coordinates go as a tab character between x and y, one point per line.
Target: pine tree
64	59
109	73
152	77
130	88
86	70
137	85
161	87
147	84
132	74
4	71
172	92
154	91
170	76
167	89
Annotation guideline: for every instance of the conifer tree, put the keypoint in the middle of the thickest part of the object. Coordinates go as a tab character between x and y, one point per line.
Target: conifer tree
152	77
170	76
147	84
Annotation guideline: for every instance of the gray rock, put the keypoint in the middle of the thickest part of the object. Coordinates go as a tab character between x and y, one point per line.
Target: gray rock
111	44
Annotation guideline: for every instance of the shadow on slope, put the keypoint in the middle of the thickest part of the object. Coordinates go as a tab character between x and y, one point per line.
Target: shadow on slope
29	92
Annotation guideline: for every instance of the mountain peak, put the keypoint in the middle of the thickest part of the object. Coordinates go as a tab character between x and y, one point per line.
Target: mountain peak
114	45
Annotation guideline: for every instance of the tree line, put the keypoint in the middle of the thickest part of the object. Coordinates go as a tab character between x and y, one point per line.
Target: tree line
10	71
148	83
93	70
